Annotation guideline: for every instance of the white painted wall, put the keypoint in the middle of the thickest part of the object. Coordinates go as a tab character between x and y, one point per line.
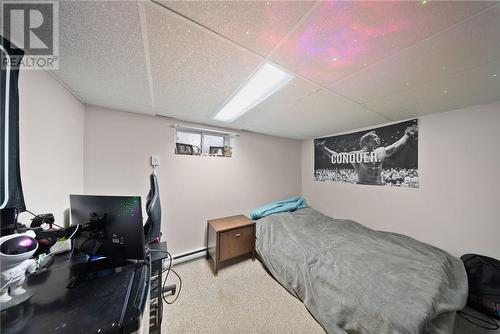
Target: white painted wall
457	205
118	146
51	124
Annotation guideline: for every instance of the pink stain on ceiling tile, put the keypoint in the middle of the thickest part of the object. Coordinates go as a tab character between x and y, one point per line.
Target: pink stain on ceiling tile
258	25
271	34
340	38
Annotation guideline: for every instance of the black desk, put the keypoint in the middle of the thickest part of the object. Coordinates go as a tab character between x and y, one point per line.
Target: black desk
109	304
158	253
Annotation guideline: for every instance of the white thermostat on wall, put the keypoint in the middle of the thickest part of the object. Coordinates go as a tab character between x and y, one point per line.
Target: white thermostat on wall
155	160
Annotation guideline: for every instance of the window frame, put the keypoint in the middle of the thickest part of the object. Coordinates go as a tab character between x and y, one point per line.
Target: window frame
226	137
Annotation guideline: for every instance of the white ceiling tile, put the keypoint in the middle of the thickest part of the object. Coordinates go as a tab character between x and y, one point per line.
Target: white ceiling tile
193	71
464	46
257	25
318	114
477	86
341	37
109	102
397	106
294	91
101	52
480	85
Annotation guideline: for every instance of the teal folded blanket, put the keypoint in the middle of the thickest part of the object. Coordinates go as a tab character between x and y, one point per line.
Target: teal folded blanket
289	204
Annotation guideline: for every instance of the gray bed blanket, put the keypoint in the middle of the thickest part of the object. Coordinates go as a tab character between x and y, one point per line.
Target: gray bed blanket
357	280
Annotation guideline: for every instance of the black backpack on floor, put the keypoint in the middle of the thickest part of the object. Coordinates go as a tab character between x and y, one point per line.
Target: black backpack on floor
483	274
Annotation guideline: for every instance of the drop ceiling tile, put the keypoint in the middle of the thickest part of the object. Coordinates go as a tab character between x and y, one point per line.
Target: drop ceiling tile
480	85
120	104
340	38
193	71
101	52
257	25
397	106
294	91
319	114
463	46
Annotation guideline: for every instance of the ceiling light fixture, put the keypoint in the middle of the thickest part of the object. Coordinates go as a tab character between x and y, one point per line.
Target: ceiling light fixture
265	82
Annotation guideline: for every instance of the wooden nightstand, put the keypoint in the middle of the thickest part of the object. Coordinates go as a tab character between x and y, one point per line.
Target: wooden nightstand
230	237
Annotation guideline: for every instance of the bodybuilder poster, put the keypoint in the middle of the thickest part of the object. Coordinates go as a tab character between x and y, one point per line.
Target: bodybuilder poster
383	156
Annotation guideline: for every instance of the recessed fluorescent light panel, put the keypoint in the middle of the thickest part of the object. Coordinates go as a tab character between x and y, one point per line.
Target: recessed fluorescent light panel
265	82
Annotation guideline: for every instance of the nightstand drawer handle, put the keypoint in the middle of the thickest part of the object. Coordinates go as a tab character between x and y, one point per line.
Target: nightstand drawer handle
237	234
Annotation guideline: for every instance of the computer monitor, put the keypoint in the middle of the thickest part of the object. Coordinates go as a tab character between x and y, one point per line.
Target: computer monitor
115	228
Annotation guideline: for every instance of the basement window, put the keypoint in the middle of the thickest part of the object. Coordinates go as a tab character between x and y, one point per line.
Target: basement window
196	141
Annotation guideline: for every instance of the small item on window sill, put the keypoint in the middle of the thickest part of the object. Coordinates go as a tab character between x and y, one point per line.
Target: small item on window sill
217	151
228	151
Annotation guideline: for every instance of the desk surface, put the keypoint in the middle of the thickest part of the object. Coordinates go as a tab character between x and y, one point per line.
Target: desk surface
105	304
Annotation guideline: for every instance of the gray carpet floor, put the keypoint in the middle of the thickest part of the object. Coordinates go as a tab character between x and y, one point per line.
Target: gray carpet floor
244	298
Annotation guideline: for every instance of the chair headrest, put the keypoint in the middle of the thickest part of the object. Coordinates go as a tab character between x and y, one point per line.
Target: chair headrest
153	195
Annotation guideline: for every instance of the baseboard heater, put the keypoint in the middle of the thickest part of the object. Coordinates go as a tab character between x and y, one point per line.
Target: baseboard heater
191	255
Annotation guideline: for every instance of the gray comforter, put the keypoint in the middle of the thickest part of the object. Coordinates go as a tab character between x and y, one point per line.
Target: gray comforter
355	279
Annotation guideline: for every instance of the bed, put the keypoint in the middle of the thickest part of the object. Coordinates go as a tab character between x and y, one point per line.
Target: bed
357	280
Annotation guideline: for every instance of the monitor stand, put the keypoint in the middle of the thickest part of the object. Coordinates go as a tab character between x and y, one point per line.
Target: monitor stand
83	269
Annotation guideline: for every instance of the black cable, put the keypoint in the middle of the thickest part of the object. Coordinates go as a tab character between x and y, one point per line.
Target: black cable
34	215
489	322
57	225
168	270
28	211
165	279
178	292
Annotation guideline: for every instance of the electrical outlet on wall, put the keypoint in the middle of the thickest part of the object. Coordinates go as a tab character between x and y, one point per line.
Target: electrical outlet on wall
155	160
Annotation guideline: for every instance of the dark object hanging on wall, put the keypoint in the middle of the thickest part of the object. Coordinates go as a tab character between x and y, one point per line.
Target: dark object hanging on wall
483	274
11	192
152	228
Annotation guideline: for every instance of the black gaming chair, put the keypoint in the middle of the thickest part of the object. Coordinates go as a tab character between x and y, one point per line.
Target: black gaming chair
152	227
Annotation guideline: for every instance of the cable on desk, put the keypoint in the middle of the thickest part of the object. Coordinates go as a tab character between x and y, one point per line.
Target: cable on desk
61	245
35	215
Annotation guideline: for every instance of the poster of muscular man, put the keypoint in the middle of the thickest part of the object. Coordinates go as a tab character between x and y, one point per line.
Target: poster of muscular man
386	155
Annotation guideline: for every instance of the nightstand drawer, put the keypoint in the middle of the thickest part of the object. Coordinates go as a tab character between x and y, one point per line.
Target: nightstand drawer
236	242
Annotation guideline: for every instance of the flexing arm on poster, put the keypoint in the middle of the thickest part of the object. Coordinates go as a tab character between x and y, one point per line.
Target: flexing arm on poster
369	160
389	150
